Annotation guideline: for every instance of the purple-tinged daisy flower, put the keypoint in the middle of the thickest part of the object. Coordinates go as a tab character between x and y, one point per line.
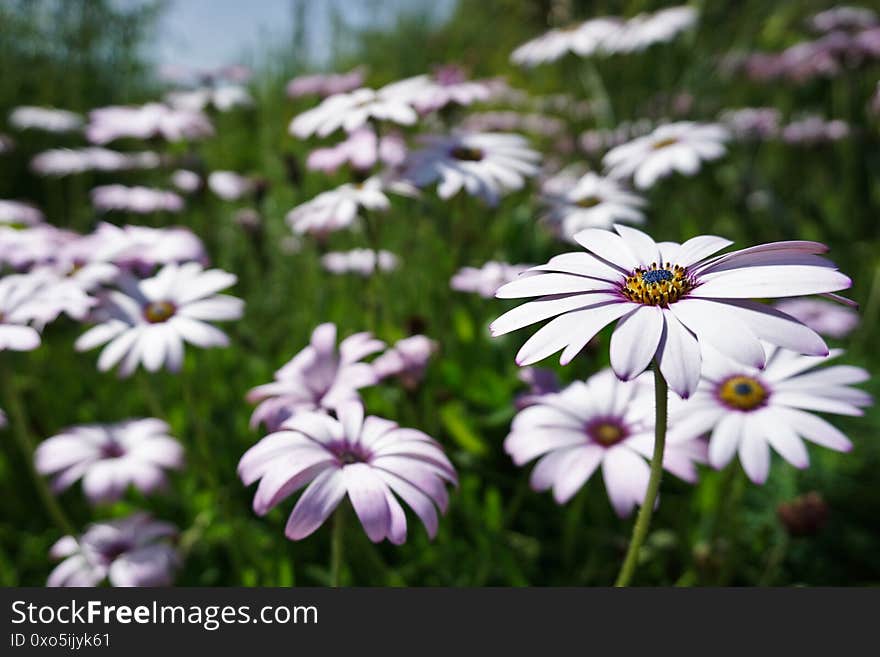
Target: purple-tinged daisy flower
362	149
142	248
67	161
844	18
318	377
363	262
350	111
110	457
186	181
680	146
147	321
753	122
17	311
2	419
407	360
22	248
47	119
748	410
107	124
229	185
325	85
15	214
224	98
592	202
485	165
132	551
486	280
814	130
824	317
372	460
601	421
52	293
669	299
541	381
142	200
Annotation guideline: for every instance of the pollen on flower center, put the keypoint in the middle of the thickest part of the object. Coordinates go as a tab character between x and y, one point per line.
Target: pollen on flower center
467	153
588	202
606	432
158	311
663	143
657	285
743	393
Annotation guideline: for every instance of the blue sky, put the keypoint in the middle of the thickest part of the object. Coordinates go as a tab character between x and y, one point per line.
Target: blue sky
205	33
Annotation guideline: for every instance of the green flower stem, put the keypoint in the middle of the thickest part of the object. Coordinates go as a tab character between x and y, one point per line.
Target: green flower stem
643	520
19	425
336	546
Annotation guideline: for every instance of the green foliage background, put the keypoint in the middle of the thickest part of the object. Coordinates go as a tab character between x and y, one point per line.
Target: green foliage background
82	54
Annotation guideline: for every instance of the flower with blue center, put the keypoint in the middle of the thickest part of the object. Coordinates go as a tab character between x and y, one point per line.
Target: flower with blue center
668	300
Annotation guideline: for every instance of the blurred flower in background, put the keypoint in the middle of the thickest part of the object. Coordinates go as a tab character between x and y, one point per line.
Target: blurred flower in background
131	551
45	118
362	262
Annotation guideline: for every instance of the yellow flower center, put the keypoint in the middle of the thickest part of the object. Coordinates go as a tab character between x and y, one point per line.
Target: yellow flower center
606	432
588	202
657	285
663	143
158	311
743	393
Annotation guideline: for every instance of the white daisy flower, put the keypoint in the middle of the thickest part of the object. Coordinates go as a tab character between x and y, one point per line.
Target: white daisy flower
485	165
352	110
17	293
148	321
748	410
681	147
592	202
45	118
644	30
582	39
338	208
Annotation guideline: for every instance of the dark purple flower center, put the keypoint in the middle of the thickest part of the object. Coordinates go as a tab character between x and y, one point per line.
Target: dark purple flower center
112	450
156	312
607	431
111	551
467	153
347	453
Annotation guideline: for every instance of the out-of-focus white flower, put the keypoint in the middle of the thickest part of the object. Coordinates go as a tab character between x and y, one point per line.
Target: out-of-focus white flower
142	200
486	280
592	202
681	147
362	149
606	36
486	165
325	84
448	84
17	312
352	110
359	261
815	129
229	185
644	30
45	118
131	551
67	161
582	39
753	122
407	360
186	181
825	317
18	214
844	18
224	98
145	122
338	208
142	248
22	248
